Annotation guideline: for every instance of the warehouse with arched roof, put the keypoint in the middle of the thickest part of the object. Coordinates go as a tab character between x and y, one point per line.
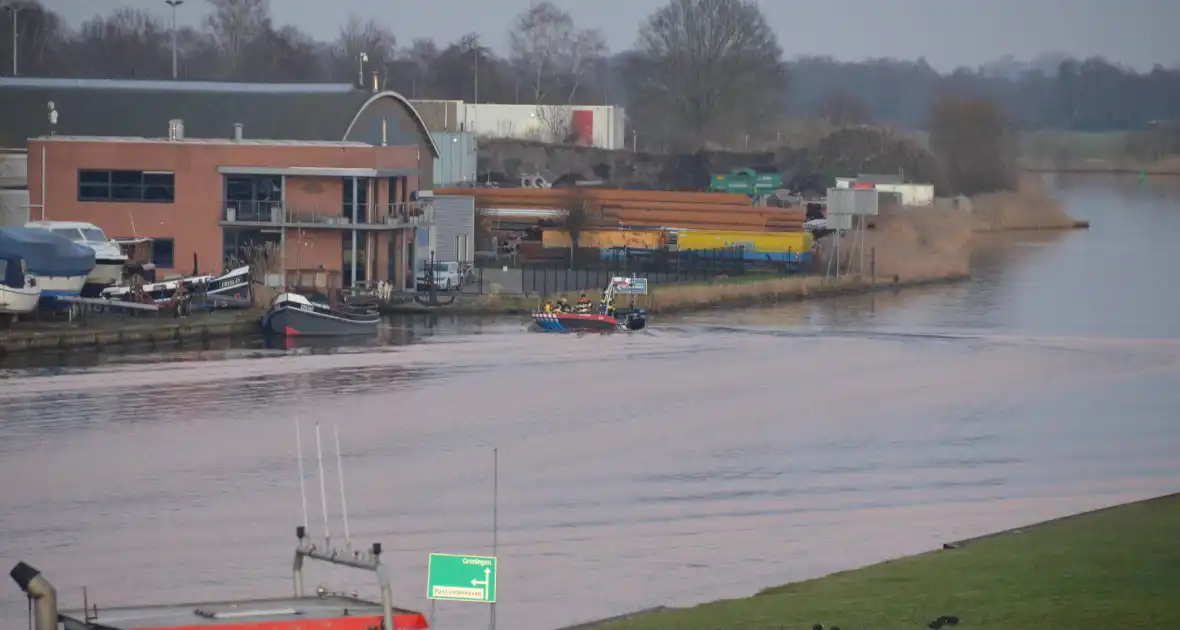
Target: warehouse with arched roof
204	169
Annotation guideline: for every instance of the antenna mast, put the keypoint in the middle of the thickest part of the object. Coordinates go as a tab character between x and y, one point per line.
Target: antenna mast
319	451
302	482
343	502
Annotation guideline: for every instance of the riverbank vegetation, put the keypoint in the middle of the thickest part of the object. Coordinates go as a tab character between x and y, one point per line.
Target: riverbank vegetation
1030	207
1113	568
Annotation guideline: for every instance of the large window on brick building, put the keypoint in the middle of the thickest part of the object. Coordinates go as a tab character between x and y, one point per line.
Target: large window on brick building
164	252
126	186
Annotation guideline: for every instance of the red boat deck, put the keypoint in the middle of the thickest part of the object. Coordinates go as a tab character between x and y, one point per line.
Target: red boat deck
308	613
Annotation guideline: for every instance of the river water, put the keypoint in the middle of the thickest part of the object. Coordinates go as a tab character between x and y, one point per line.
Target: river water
708	457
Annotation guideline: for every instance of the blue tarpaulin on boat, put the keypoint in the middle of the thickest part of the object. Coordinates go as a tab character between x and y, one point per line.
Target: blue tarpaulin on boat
46	254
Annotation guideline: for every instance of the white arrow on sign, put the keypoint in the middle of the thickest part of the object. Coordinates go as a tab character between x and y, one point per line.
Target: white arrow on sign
487	574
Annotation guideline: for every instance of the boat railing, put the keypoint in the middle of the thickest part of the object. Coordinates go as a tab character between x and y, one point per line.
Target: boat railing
367	560
410	213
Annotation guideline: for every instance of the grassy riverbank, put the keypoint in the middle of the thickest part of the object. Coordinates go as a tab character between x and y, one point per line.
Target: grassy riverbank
1114	568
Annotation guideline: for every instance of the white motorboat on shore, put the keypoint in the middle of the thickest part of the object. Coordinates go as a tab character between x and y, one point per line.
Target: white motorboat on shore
19	293
109	259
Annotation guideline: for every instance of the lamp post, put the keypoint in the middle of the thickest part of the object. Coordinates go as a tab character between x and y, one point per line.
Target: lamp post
174	4
15	12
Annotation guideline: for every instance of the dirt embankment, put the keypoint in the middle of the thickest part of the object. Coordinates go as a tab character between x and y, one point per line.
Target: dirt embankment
920	244
906	245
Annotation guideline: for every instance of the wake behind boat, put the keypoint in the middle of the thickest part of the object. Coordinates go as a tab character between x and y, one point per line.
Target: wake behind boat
296	315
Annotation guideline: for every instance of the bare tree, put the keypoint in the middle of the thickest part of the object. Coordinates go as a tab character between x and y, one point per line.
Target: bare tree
539	40
706	70
127	44
286	54
422	54
580	216
843	108
234	26
360	35
555	123
585	48
198	54
972	137
42	39
550	53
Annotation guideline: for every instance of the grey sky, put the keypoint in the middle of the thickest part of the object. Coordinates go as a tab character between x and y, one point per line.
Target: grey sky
947	32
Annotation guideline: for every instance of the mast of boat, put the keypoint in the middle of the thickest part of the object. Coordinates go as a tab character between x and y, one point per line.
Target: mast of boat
340	474
319	452
299	458
283	233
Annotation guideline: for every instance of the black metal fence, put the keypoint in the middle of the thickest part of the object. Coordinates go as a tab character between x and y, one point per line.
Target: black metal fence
662	267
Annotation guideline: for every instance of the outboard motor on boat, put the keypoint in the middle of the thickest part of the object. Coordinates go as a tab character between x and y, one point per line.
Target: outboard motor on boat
636	319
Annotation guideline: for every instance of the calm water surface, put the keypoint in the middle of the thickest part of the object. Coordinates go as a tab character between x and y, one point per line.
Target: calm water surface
708	457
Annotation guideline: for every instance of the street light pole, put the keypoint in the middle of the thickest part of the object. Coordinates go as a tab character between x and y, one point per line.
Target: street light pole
15	12
173	4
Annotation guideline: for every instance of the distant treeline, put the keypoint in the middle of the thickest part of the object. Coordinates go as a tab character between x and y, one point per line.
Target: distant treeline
746	90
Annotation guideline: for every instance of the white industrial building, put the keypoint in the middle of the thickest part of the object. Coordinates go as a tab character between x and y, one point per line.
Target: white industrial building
909	194
601	126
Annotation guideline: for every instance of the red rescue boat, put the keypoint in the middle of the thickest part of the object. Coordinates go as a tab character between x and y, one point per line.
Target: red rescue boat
602	319
323	611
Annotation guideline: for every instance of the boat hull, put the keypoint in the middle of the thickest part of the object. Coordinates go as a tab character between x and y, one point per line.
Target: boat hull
18	301
106	274
231	290
56	287
293	321
574	322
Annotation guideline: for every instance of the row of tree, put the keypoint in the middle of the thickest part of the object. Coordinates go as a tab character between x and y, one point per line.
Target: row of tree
701	71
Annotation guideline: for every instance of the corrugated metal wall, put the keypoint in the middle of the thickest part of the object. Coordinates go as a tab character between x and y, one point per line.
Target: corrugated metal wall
441	115
454	228
853	201
458	158
14	169
14	208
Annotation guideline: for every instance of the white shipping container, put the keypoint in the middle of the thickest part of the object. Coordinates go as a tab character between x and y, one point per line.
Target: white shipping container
546	123
911	194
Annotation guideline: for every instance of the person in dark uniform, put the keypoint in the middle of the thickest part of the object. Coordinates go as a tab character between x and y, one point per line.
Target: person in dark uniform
583	305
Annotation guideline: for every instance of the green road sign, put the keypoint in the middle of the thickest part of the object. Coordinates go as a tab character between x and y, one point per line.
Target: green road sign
461	578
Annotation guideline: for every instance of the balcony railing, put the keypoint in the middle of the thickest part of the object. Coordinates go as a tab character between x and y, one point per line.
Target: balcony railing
270	213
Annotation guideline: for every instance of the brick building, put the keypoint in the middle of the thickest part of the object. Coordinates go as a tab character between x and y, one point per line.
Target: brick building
205	168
